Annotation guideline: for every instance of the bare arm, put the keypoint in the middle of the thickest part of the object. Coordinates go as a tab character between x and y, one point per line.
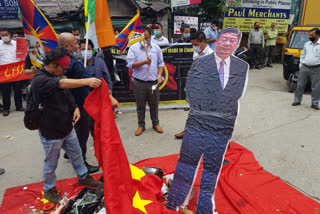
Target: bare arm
30	71
77	83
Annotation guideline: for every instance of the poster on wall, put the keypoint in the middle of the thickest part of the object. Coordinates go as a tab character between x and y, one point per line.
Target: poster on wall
265	12
184	4
190	20
178	59
8	9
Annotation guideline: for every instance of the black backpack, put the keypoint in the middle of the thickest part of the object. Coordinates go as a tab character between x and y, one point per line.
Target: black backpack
34	110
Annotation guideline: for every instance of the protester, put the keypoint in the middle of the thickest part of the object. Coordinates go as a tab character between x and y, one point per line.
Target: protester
7	56
185	34
146	60
56	124
1	171
76	70
214	86
271	44
97	68
158	37
76	33
106	55
201	48
211	33
255	45
15	36
309	69
29	69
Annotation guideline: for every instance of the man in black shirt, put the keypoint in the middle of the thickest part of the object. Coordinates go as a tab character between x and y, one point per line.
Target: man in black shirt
56	123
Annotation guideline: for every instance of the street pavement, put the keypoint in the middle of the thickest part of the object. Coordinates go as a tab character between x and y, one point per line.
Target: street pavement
284	139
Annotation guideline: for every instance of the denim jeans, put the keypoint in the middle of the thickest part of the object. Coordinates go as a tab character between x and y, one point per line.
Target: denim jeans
52	149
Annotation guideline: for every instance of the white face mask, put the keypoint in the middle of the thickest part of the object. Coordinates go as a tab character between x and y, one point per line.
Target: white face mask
77	37
5	39
197	49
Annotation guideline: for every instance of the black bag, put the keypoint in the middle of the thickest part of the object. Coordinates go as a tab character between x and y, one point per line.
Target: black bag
34	110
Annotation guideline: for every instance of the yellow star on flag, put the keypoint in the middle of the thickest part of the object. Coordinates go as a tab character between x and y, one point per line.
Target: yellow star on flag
139	203
136	173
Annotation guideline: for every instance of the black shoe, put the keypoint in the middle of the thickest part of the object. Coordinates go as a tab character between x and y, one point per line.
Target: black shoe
89	181
1	171
91	169
20	109
5	113
258	67
52	195
296	103
269	66
315	107
65	156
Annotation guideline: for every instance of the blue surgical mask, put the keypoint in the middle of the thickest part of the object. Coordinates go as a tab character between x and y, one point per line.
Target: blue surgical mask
78	37
186	35
157	33
89	54
196	49
74	54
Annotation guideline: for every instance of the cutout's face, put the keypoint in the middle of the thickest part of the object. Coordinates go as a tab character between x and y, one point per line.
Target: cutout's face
226	44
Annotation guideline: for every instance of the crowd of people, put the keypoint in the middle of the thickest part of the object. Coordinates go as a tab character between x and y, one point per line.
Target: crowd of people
63	83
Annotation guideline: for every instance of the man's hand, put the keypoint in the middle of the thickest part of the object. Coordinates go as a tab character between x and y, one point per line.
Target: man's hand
33	69
147	61
160	80
114	103
94	82
76	115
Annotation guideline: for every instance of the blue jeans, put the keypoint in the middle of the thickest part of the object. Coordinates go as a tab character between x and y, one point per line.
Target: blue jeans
52	149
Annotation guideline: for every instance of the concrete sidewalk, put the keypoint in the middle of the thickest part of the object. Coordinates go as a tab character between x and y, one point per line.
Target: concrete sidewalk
284	139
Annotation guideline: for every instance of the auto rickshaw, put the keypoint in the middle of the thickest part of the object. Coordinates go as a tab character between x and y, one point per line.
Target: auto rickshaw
297	37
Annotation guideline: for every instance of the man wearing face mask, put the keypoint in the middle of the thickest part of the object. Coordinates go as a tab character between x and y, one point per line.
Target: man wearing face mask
146	60
7	56
255	44
211	33
200	47
76	70
185	34
158	38
309	69
76	33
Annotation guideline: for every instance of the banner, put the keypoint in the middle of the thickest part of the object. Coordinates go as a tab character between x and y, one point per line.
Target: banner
178	59
264	12
184	4
190	20
13	72
22	49
8	9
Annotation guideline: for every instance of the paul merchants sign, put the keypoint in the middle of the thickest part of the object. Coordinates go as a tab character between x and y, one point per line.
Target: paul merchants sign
265	12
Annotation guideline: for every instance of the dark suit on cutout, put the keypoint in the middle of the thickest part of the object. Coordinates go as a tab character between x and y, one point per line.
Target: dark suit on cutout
213	112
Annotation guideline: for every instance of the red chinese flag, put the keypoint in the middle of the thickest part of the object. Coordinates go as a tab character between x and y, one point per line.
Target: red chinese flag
118	187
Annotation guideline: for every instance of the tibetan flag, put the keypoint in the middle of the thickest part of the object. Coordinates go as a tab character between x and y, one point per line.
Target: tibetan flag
40	35
131	34
100	29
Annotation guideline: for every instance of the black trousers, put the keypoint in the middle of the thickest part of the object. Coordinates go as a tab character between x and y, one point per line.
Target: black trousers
6	94
143	94
269	54
82	130
255	51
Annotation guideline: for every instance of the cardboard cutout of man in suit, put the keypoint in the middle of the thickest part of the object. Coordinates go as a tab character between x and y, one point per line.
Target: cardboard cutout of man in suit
214	87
